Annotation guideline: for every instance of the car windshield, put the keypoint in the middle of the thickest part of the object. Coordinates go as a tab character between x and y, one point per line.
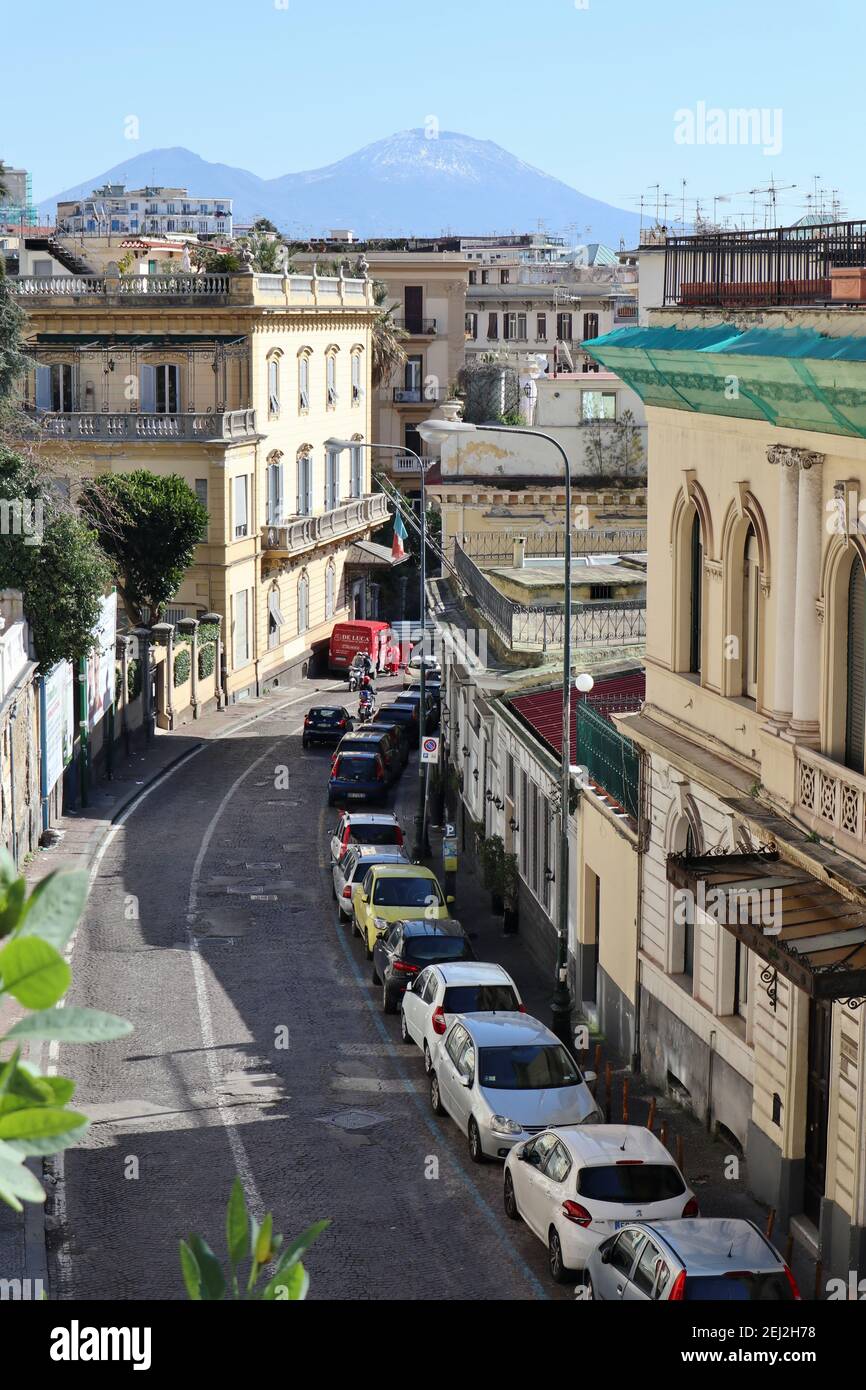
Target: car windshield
424	948
367	834
355	769
480	999
361	868
326	716
526	1068
631	1182
402	713
406	892
739	1287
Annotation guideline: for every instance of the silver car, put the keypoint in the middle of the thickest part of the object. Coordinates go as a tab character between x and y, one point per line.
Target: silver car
504	1077
351	867
715	1259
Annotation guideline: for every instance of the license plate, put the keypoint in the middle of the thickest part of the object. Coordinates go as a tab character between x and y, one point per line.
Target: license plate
355	796
618	1224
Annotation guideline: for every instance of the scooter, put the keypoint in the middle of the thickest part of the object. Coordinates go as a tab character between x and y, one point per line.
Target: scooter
356	671
366	707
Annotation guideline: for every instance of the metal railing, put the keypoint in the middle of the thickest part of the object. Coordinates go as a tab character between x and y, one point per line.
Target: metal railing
777	265
497	609
417	395
611	760
302	534
416	326
408	463
497	547
108	426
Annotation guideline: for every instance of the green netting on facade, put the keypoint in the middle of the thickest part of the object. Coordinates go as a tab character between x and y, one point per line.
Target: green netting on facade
610	759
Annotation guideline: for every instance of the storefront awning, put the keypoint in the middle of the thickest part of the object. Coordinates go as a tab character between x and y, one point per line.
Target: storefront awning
371	555
802	928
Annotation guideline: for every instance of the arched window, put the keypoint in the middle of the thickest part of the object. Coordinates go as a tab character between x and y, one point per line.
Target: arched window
696	574
751	615
303	603
275	489
273	384
330	589
855	714
357	376
356	468
276	621
304	504
332	395
304	380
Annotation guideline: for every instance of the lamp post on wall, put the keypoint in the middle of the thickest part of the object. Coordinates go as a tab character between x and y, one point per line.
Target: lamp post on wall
437	432
336	446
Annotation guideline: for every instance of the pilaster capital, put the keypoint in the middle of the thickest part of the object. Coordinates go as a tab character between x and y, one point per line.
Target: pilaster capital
790	456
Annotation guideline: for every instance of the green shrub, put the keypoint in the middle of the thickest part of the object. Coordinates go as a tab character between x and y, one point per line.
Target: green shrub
206	660
182	666
133	679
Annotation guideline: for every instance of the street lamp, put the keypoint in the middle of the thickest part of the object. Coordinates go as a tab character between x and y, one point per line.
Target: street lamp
437	432
336	446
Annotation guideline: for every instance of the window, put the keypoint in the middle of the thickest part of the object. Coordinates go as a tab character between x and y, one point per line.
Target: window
541	327
303	603
563	327
275	491
689	924
241	519
276	621
160	389
413	308
471	325
741	978
751	615
304	383
544	812
509	776
624	1251
331	380
473	277
201	490
492	326
305	485
456	1042
330	589
273	386
504	277
645	1269
855	716
332	480
485	277
242	627
590	326
696	597
524	825
513	325
357	388
598	405
558	1164
54	387
601	591
356	472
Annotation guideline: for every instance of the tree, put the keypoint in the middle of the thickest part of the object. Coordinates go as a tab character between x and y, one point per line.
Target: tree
264	224
149	527
12	359
388	336
614	448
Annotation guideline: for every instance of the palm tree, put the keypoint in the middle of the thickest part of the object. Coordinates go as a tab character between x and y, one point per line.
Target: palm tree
388	353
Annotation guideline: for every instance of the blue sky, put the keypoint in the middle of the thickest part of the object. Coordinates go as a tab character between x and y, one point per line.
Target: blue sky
588	94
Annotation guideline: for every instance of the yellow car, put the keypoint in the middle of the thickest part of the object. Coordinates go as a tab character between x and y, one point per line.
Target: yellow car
395	893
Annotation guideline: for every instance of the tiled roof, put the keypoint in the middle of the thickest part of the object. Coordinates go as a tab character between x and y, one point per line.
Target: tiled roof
542	710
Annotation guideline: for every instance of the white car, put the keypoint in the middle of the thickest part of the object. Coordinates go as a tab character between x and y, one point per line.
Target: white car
412	670
365	828
351	867
574	1187
458	987
504	1078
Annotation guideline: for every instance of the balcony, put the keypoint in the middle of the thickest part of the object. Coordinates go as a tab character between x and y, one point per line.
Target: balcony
417	395
127	287
417	327
295	537
831	800
408	463
192	427
329	291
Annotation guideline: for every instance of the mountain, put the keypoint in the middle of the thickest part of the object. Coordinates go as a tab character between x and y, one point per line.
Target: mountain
405	185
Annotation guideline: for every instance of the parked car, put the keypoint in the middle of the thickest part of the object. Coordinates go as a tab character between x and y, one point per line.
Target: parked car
412	670
395	732
441	991
357	777
431	706
326	724
365	828
391	894
433	692
505	1077
352	866
408	947
407	715
712	1259
369	740
574	1186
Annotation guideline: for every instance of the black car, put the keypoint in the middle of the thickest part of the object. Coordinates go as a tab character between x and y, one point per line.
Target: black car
368	739
434	698
395	732
407	715
431	707
408	947
326	724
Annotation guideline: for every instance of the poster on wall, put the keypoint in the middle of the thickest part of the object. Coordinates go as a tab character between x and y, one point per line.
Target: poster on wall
59	722
100	663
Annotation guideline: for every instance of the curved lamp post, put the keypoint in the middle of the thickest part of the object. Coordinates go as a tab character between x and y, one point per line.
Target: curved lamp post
437	432
336	446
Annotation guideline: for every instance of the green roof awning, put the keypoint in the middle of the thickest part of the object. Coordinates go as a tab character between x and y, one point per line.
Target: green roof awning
793	377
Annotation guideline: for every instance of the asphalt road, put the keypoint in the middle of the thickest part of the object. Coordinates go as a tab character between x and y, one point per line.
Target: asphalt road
259	1048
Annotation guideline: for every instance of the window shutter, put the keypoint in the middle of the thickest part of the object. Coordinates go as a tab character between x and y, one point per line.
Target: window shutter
697	572
148	389
43	388
855	721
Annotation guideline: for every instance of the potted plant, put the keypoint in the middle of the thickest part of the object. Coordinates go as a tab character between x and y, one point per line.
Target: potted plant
494	859
510	892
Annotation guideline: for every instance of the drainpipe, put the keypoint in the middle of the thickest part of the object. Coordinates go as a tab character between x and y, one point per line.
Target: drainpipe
710	1079
43	754
13	799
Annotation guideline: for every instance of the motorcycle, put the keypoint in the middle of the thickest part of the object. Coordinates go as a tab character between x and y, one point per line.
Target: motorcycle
356	671
366	706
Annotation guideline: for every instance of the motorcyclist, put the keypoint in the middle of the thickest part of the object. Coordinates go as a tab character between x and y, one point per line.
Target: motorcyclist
366	698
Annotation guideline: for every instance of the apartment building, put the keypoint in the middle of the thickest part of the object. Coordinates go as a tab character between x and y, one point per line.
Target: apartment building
152	211
752	961
234	382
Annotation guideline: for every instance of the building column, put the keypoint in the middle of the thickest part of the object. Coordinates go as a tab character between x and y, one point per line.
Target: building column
784	582
805	725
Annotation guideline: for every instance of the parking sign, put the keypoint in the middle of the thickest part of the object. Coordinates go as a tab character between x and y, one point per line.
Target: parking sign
430	750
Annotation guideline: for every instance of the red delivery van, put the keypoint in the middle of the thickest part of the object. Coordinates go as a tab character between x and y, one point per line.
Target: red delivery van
362	635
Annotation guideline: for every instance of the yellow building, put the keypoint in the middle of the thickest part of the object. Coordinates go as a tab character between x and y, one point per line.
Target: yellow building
234	382
752	962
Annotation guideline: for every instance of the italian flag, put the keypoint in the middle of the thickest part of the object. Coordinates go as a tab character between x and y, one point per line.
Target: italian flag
398	550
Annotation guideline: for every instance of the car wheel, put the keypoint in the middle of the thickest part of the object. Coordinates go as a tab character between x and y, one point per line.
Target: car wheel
509	1200
389	1003
588	1292
558	1271
405	1035
435	1099
368	950
476	1153
428	1060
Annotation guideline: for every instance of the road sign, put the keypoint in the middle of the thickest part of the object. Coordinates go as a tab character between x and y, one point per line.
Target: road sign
430	750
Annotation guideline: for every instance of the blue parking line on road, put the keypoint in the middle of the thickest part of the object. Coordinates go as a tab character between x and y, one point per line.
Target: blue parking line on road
483	1207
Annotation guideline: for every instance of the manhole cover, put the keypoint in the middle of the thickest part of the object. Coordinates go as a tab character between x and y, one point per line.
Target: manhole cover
353	1119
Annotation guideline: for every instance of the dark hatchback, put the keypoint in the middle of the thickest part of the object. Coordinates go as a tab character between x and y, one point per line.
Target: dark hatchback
370	740
431	705
326	724
408	947
396	733
407	715
357	777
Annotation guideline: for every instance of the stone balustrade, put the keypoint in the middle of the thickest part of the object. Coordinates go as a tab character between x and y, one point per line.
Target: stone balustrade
192	426
306	532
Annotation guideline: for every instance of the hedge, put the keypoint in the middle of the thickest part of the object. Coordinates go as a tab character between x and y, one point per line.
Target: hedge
182	666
